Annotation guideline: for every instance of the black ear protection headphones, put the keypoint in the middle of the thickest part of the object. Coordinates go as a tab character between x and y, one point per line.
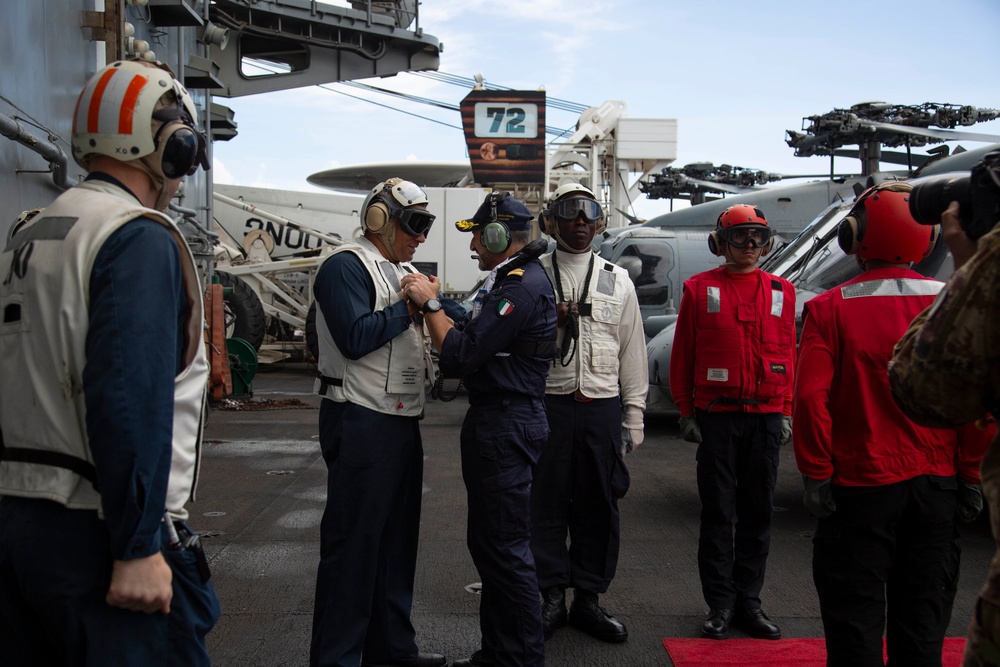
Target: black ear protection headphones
180	146
714	245
496	235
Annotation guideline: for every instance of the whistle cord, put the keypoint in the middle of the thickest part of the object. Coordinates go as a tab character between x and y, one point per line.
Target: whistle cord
572	334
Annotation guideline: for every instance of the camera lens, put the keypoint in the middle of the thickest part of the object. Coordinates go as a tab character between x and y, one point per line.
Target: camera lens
929	199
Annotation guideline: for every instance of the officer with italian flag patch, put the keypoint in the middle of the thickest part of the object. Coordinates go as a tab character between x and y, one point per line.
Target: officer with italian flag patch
502	351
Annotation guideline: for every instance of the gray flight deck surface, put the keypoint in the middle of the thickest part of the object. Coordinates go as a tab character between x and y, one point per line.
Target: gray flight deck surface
261	496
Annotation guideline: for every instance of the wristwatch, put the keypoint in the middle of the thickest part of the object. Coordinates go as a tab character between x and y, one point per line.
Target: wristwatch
431	306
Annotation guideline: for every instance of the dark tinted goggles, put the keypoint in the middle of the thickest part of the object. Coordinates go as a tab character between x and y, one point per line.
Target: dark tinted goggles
416	221
740	237
569	209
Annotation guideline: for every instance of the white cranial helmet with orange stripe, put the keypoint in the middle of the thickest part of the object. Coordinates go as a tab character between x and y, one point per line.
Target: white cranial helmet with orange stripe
114	113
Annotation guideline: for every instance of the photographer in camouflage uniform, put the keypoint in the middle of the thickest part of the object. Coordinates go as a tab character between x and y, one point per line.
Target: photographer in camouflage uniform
946	370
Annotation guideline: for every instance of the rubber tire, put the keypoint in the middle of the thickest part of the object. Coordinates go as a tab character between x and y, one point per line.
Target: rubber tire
248	313
312	338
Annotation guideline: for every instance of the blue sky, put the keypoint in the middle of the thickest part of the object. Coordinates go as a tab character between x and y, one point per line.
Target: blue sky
734	74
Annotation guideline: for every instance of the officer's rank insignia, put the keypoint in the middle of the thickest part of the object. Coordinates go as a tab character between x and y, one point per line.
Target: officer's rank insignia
505	307
517	273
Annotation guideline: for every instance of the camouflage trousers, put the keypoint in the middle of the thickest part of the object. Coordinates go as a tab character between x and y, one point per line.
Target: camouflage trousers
982	649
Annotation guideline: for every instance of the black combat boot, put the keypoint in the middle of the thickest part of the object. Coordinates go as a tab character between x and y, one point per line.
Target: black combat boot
586	615
755	623
553	610
716	626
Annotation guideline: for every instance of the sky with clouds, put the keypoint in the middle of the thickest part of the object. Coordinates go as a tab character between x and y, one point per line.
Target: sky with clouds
735	75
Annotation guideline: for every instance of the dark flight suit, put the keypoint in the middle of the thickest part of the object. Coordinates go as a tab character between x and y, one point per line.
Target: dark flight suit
503	355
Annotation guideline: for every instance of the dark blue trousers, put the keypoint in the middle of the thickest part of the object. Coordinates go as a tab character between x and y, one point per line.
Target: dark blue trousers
737	472
887	561
501	443
368	536
577	484
55	570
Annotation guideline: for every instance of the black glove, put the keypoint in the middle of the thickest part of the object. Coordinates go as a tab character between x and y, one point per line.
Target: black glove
690	430
786	429
970	501
818	497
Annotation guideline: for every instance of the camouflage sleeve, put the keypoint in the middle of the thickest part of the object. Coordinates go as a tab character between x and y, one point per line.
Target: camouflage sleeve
945	370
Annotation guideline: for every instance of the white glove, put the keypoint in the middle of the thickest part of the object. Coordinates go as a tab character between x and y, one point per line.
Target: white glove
632	429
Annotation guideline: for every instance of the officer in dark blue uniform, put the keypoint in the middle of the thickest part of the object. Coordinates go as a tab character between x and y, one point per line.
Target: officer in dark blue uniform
503	351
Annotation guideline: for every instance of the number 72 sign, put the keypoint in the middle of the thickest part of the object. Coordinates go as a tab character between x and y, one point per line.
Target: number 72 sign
505	135
499	120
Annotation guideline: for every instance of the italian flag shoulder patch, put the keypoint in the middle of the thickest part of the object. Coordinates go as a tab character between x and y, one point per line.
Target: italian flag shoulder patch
504	308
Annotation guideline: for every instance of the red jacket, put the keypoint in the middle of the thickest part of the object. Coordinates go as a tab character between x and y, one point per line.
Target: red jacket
728	345
846	424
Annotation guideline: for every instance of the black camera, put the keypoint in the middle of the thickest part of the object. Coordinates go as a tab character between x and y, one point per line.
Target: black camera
978	197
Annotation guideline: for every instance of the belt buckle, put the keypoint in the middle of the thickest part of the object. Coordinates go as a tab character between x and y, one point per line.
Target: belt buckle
580	397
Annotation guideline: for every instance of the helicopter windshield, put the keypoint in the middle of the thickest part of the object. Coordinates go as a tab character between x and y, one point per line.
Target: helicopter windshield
828	268
789	256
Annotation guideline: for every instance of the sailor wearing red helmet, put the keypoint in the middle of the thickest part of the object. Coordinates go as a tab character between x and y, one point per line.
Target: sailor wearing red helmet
731	373
888	493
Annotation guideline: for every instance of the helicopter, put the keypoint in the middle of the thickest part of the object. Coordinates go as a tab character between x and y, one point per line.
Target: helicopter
813	262
661	253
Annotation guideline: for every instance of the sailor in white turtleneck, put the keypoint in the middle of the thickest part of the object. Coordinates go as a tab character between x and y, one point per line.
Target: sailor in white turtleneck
595	396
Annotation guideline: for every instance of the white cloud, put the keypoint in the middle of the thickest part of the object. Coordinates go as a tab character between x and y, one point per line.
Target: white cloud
735	75
219	172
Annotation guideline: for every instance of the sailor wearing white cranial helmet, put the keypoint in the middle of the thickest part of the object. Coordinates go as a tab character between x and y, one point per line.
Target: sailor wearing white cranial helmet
396	199
372	364
566	204
594	401
104	470
138	112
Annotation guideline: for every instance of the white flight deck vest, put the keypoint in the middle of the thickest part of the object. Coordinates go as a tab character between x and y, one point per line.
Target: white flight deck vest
44	302
595	367
390	379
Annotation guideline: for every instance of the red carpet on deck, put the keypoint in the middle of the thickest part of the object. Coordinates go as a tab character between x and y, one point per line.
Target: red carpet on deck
763	652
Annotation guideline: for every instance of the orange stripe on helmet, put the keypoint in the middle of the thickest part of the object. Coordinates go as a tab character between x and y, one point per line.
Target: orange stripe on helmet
127	111
94	108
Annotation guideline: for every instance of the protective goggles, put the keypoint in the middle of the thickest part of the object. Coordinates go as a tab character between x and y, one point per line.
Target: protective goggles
567	210
416	221
741	236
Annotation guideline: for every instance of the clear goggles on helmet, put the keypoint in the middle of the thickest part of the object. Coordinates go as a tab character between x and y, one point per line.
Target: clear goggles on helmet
416	221
566	210
741	236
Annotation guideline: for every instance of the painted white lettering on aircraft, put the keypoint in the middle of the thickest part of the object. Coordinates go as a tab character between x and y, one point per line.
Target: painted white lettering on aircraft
285	236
